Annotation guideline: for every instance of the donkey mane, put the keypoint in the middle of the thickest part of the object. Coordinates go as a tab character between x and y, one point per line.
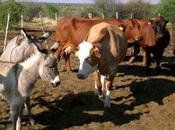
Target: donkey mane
29	61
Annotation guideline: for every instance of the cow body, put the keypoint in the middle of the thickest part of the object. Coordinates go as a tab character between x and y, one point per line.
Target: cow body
71	31
105	47
155	39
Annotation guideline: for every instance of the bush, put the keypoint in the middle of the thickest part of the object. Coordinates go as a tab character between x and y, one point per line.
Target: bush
14	9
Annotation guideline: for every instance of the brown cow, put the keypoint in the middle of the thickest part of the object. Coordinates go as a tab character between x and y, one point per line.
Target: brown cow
155	39
105	47
71	31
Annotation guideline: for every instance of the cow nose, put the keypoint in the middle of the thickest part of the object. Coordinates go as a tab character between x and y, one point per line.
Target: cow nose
80	76
56	84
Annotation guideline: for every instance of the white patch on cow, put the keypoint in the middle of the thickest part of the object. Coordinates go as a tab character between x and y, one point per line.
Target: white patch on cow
85	68
56	80
102	80
107	98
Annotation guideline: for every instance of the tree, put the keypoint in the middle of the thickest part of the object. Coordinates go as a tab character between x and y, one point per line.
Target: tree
167	8
14	9
51	10
32	10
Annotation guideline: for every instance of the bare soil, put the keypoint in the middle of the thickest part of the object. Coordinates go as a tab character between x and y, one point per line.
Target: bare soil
138	102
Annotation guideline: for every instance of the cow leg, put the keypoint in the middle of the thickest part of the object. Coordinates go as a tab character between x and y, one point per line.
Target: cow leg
107	103
136	52
157	56
102	80
98	86
144	58
67	62
148	61
28	108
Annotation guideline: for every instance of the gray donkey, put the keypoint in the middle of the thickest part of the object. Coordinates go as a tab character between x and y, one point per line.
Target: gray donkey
16	80
18	49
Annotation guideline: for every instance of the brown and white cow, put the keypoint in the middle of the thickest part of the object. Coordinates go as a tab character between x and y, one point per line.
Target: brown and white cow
103	49
71	31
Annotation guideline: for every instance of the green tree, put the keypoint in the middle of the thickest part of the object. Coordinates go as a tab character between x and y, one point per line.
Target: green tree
167	8
14	9
51	10
32	10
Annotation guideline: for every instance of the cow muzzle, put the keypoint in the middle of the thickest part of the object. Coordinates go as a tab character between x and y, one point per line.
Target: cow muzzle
81	76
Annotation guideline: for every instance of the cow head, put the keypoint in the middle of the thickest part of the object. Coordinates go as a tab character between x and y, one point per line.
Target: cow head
88	56
132	31
159	25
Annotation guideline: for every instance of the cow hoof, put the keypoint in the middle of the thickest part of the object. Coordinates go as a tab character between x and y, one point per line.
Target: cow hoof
100	96
107	104
32	122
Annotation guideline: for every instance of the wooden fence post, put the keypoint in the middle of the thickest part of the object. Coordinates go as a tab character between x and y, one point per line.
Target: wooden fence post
6	31
131	15
56	17
116	14
22	21
42	27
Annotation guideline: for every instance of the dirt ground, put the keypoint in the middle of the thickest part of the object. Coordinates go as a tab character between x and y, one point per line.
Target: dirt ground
138	102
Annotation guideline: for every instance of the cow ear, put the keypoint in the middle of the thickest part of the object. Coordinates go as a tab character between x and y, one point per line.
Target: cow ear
97	52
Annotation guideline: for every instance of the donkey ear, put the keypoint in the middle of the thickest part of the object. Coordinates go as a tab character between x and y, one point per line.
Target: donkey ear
24	34
43	37
46	35
54	47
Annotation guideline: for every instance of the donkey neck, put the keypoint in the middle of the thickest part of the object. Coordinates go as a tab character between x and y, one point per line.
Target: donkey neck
30	69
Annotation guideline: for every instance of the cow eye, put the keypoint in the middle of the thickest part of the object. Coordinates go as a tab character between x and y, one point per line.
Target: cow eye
91	61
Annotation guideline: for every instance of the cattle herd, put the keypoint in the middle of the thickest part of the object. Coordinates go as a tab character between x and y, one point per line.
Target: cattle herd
99	44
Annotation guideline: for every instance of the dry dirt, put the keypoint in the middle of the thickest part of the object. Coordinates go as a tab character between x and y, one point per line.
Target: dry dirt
138	102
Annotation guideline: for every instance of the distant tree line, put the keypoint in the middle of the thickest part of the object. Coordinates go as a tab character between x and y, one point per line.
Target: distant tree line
107	8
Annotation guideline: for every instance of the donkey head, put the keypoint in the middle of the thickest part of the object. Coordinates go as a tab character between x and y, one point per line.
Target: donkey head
37	41
48	67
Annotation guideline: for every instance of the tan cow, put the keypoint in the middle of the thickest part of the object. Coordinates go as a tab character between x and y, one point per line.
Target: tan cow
105	47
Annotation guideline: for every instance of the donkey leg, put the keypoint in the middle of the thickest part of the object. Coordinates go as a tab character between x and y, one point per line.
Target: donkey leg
18	125
15	111
28	108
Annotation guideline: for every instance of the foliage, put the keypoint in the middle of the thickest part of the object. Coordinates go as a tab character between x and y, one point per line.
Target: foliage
14	9
51	10
139	9
32	10
167	8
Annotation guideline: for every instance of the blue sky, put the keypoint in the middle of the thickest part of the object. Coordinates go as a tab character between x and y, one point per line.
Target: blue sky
81	1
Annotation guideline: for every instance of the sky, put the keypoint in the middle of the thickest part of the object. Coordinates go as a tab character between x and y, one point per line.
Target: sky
80	1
